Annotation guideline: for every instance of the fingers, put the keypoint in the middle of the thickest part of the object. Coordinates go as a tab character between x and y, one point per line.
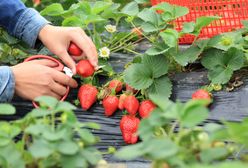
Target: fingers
67	59
63	79
55	95
58	89
45	62
87	46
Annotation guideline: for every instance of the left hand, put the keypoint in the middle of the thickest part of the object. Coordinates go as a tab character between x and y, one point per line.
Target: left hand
58	39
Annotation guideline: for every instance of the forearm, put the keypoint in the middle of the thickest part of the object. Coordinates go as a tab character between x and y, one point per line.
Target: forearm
21	22
7	84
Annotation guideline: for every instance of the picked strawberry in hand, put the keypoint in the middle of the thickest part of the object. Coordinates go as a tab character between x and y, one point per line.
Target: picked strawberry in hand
129	127
85	69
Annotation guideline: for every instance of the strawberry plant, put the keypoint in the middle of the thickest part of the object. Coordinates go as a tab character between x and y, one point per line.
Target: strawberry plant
50	136
171	138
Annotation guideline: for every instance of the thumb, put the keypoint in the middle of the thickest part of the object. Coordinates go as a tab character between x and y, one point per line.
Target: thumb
68	61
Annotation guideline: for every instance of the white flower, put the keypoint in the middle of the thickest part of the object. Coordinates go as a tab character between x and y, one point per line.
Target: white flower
104	52
110	28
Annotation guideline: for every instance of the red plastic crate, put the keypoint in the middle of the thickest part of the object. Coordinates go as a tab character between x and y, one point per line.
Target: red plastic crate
232	12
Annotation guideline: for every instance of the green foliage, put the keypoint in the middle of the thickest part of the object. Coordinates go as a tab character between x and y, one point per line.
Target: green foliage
44	144
171	137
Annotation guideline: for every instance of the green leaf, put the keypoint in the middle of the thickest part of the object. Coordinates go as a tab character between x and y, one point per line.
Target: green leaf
64	106
47	101
131	9
212	154
77	160
51	135
87	136
72	21
149	16
158	64
170	37
158	149
189	55
40	148
130	152
222	64
4	141
54	9
188	27
138	76
161	87
157	49
7	109
68	147
149	27
91	155
100	6
193	113
203	21
36	129
36	113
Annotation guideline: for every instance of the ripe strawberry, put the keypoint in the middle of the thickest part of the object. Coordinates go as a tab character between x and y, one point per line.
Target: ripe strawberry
130	89
110	104
146	107
85	69
129	127
137	32
121	101
115	84
131	104
87	96
74	50
201	94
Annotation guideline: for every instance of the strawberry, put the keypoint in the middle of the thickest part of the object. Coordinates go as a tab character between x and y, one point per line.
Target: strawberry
87	96
137	31
130	89
116	85
129	127
131	104
85	69
74	50
201	94
145	108
121	101
110	104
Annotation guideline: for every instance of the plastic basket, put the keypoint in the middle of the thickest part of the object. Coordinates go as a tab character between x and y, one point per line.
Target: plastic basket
232	12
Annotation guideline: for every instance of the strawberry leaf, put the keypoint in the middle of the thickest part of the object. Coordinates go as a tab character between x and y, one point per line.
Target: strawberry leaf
159	65
161	87
138	76
170	37
131	9
157	49
222	64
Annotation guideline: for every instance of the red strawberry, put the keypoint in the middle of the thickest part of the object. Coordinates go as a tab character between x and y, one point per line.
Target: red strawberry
146	107
129	127
201	94
87	96
110	104
121	101
131	104
85	69
116	85
74	50
130	89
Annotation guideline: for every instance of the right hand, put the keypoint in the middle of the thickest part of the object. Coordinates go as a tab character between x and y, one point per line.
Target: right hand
37	78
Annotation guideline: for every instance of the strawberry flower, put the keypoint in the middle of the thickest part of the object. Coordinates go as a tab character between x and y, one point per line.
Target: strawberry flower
104	52
110	28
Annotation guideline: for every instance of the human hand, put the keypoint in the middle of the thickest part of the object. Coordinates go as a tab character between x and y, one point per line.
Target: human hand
37	78
58	39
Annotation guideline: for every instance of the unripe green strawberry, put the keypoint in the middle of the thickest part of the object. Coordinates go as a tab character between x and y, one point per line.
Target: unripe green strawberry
145	108
131	104
85	69
87	96
110	104
129	127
